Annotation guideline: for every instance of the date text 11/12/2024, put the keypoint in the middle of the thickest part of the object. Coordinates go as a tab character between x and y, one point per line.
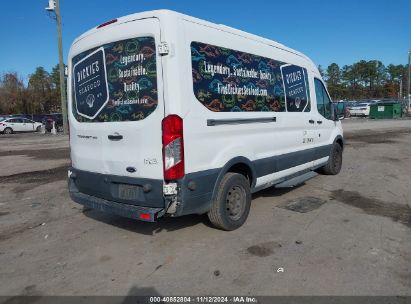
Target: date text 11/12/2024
204	299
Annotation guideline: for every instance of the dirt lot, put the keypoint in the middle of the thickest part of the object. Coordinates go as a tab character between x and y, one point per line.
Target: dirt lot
342	235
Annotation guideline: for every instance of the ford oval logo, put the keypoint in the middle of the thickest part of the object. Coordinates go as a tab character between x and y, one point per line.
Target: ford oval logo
131	169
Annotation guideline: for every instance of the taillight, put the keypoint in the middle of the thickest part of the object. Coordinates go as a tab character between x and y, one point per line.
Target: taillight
173	147
145	216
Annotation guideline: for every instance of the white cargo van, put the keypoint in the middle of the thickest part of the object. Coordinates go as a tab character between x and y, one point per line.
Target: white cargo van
171	115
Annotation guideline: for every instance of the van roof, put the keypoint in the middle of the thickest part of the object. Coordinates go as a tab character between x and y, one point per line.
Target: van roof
169	14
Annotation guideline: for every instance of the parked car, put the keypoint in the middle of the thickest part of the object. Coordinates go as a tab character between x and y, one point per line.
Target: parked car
343	108
208	118
360	109
57	119
11	116
348	105
12	125
37	117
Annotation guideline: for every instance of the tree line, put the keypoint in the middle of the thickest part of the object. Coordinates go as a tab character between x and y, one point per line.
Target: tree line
41	94
365	80
361	80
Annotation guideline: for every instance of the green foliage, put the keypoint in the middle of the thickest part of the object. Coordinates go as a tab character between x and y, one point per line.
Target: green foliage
365	79
40	89
41	95
12	94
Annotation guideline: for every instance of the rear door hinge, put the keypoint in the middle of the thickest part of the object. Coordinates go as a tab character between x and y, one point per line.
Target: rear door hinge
163	48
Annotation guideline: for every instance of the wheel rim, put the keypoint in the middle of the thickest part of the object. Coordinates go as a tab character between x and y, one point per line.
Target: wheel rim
236	198
8	131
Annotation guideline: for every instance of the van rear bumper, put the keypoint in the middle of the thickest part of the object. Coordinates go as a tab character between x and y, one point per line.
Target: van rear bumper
125	210
148	192
97	191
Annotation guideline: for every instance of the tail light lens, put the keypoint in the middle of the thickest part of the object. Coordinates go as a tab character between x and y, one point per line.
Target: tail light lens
173	147
145	216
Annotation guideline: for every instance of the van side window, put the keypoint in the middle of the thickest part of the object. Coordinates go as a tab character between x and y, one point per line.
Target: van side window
226	80
323	100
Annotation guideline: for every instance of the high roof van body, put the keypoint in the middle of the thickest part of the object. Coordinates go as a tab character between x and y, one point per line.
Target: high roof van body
171	115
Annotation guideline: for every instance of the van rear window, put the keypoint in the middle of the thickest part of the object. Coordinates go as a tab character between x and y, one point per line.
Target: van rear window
226	80
115	82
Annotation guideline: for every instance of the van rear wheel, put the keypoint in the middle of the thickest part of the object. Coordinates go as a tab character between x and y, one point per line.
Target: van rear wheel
231	204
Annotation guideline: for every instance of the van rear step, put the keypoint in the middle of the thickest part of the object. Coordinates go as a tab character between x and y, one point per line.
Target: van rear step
292	182
146	214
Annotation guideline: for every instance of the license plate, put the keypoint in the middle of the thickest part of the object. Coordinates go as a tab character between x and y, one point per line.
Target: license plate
128	192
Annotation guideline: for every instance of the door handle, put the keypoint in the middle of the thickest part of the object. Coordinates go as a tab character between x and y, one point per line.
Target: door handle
319	122
311	121
115	137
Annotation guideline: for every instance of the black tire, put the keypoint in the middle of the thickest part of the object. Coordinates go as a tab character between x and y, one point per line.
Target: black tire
8	130
38	129
231	203
334	164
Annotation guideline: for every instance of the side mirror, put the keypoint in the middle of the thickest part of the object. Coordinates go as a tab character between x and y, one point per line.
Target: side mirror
334	114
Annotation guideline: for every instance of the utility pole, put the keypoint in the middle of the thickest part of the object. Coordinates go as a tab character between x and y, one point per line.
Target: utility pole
54	6
400	92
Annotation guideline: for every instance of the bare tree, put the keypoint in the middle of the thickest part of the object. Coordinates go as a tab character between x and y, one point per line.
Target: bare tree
11	93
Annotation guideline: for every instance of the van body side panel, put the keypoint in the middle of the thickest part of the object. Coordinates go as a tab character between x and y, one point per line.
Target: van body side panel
277	150
274	147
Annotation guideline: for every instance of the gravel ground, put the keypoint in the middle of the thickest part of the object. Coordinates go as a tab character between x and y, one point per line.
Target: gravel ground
334	235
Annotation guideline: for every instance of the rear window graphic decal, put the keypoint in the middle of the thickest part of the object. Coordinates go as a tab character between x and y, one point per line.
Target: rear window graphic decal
115	82
90	84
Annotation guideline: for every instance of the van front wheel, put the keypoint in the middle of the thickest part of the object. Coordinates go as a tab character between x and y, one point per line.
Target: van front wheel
333	166
231	203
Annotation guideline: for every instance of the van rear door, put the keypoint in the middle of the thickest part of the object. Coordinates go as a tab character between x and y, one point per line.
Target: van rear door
115	100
